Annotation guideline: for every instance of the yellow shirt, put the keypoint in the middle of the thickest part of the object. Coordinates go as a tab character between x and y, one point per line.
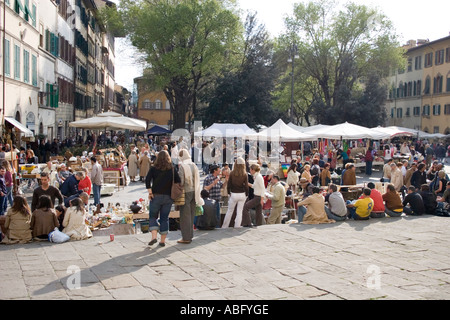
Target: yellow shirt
364	207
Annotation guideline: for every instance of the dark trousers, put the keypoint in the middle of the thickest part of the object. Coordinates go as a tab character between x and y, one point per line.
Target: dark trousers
255	202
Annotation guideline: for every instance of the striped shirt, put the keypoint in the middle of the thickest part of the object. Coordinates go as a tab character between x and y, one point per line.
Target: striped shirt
214	192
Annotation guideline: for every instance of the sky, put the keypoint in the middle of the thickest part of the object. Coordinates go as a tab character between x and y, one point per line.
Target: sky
412	20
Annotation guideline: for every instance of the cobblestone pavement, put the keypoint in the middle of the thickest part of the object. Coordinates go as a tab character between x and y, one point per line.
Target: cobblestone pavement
390	258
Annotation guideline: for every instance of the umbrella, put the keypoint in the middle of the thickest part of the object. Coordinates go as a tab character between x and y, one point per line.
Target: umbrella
110	123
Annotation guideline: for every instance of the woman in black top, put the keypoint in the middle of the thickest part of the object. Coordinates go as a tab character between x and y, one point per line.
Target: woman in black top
159	185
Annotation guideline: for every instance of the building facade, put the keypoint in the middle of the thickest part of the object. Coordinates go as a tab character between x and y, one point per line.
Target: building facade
419	94
19	66
57	64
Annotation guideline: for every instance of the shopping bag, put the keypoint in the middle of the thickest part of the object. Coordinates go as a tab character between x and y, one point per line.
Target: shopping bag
57	236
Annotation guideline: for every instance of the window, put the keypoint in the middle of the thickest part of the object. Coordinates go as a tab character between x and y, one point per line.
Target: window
399	112
158	104
436	129
419	87
409	64
428	60
16	62
418	62
26	66
427	85
34	70
416	111
448	83
146	104
33	12
437	110
408	112
447	109
7	59
439	58
426	110
392	113
437	84
447	55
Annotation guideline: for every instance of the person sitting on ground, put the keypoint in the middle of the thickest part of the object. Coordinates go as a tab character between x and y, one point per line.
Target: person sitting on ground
314	212
47	189
415	201
60	212
361	208
43	219
393	202
207	221
17	223
69	188
307	187
419	177
378	210
74	221
336	210
429	199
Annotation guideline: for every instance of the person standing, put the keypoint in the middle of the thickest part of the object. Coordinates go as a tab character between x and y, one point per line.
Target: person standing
190	180
159	180
133	165
369	160
9	184
278	199
97	179
3	191
238	189
144	165
214	185
258	196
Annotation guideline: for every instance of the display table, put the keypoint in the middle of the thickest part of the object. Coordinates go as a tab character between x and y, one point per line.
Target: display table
118	176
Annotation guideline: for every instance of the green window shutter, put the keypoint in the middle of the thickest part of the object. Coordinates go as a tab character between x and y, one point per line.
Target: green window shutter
48	95
18	6
26	66
34	70
47	40
17	62
33	14
7	58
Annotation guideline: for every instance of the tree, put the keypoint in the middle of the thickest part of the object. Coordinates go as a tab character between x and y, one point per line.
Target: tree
185	43
244	95
339	50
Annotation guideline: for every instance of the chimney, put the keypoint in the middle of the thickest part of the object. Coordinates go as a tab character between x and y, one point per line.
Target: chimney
422	41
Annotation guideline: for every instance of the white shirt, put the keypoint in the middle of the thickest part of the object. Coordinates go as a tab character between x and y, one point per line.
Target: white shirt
258	186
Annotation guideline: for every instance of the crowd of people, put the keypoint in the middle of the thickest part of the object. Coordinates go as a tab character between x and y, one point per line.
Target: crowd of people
59	201
415	186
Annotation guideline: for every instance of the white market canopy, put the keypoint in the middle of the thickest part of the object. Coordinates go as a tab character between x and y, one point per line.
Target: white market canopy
110	121
280	131
225	130
346	131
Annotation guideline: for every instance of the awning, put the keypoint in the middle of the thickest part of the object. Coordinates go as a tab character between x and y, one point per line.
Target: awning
21	127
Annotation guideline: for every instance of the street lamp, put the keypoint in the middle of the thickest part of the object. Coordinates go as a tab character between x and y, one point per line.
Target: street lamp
293	54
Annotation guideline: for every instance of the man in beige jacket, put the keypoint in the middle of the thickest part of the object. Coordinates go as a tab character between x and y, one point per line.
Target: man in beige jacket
278	198
315	211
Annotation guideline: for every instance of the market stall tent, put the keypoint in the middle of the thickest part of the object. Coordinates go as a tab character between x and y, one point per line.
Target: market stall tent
346	131
158	130
225	130
280	131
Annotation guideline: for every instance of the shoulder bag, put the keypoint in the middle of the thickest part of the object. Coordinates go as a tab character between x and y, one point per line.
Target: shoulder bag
177	191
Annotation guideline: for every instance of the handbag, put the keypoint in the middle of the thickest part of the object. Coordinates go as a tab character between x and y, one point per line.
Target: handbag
177	191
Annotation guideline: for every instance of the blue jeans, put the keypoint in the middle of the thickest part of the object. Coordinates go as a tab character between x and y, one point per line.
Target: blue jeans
2	205
9	196
333	216
160	206
96	191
